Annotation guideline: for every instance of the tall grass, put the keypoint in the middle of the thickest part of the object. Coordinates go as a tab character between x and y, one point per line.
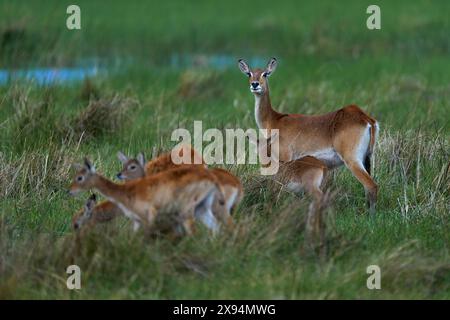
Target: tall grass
267	256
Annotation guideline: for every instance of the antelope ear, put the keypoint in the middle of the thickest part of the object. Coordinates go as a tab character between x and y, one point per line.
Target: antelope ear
122	158
90	204
141	159
89	166
243	66
271	66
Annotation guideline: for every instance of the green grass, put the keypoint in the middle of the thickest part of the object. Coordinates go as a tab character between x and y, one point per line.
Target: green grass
328	59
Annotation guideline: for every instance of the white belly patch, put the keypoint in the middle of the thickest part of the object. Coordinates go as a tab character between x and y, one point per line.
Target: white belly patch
329	156
294	187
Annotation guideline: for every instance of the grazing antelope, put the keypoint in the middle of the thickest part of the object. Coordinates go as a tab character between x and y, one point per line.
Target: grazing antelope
231	186
345	136
92	213
188	191
306	173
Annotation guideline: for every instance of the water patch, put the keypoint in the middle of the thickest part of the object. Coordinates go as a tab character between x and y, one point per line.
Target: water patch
89	67
49	76
217	61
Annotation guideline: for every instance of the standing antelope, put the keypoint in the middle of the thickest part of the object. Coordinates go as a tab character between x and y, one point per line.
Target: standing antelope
187	191
229	184
345	136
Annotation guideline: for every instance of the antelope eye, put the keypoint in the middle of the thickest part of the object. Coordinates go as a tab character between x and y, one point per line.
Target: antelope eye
133	167
80	178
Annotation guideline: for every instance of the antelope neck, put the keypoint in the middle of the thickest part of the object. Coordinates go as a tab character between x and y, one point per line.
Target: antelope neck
263	110
114	192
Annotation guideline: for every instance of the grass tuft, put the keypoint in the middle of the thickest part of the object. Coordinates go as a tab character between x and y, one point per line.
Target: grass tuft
101	117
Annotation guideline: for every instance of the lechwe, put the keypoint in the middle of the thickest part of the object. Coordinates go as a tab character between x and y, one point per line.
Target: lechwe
306	173
137	168
187	191
93	213
345	136
230	185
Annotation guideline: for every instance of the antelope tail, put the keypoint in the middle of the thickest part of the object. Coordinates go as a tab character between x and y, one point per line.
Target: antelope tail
369	161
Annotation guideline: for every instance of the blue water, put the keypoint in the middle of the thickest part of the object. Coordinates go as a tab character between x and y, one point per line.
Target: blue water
48	76
89	68
218	61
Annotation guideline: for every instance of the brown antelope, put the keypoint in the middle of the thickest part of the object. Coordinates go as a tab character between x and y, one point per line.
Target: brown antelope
188	191
138	167
345	136
93	213
306	173
230	185
106	210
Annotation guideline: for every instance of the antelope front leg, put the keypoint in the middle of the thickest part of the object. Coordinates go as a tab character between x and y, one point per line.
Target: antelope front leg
151	215
222	212
188	221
